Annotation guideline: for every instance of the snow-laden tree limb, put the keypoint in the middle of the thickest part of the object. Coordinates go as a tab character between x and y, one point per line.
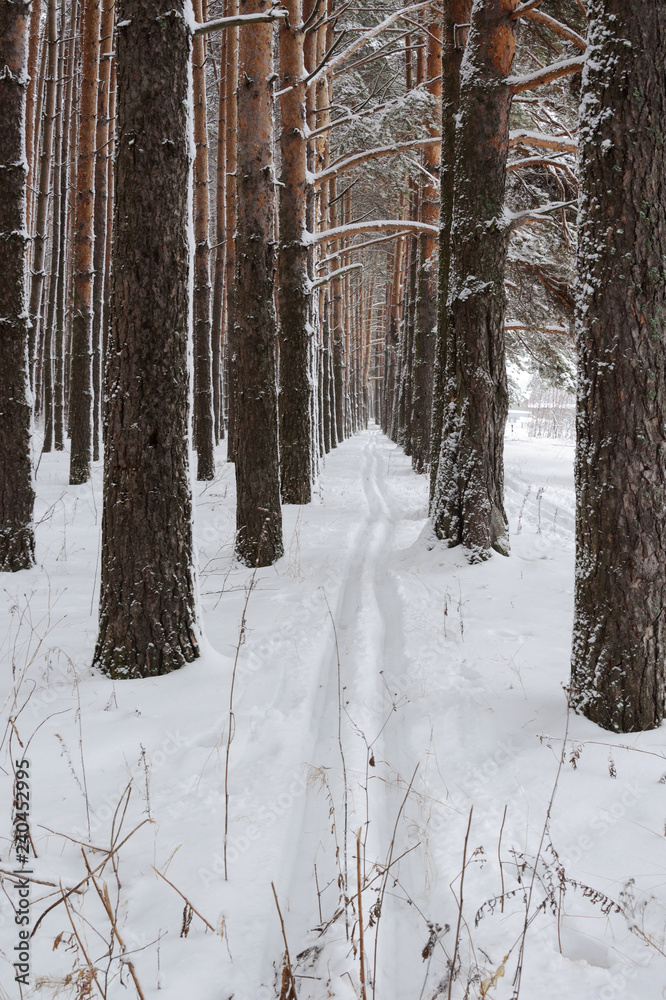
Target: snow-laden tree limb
530	81
523	137
524	9
242	20
373	226
513	220
558	331
349	162
361	246
318	282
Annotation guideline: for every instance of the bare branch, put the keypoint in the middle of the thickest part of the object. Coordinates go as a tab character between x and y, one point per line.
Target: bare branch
563	30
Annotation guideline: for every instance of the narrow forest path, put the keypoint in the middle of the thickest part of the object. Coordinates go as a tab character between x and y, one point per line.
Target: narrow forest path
442	672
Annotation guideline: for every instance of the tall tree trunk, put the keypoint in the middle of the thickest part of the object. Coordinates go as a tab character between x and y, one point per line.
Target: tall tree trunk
44	182
61	291
218	329
147	604
294	298
619	646
31	101
258	514
17	544
456	15
425	326
56	263
468	506
231	214
80	394
103	160
204	435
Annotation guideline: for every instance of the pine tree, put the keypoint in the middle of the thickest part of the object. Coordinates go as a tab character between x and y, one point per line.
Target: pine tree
294	299
468	503
204	434
456	14
258	514
147	605
619	646
16	493
81	389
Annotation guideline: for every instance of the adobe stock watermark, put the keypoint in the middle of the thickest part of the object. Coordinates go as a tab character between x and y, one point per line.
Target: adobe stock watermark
22	844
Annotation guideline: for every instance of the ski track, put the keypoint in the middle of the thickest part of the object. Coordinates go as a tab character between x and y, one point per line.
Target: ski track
368	618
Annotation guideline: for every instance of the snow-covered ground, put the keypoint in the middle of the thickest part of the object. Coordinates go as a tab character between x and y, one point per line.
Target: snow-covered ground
386	694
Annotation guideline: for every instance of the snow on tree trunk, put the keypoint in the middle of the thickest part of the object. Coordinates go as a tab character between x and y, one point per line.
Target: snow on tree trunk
81	390
468	504
294	298
44	182
147	604
204	434
258	514
456	14
230	215
218	329
16	494
619	645
103	168
426	294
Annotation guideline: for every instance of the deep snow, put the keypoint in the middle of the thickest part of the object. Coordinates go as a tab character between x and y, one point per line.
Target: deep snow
371	652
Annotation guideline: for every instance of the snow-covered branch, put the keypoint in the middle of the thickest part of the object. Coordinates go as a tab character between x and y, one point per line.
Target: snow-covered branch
335	274
349	162
242	20
522	137
513	220
361	246
524	8
375	225
546	75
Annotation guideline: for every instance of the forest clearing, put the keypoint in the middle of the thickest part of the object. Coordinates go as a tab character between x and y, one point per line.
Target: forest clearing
332	499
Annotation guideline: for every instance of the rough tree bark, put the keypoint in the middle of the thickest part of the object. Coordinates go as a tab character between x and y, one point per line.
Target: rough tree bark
81	394
44	182
425	325
204	435
230	214
294	298
17	544
103	159
218	329
468	504
456	13
258	514
619	646
61	292
147	604
56	262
